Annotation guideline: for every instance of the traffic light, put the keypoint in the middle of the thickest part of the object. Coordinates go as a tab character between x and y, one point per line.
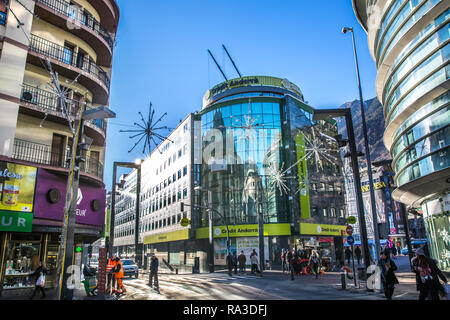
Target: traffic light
90	249
181	206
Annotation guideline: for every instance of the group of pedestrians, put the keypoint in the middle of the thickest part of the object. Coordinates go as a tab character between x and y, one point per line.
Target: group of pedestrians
239	262
349	255
298	262
114	271
426	271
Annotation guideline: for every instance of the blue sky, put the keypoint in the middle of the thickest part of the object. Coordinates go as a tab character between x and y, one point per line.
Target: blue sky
161	56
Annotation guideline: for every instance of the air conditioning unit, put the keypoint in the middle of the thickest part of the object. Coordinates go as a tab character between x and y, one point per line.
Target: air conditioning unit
27	96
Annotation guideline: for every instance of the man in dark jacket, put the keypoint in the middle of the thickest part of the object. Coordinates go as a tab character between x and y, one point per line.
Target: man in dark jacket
358	254
154	264
230	263
289	257
235	262
348	255
388	277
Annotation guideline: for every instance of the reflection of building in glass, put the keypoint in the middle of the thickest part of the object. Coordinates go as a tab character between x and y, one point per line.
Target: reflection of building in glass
408	40
255	146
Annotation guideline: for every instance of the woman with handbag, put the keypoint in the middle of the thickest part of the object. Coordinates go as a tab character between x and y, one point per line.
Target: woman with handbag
427	276
39	275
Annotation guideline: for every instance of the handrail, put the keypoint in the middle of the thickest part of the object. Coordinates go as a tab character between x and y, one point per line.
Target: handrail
85	18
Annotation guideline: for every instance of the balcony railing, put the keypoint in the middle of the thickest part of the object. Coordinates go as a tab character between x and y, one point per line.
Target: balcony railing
49	101
68	56
82	17
43	154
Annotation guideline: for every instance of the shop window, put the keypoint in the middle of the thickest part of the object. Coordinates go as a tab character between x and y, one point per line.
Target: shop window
21	259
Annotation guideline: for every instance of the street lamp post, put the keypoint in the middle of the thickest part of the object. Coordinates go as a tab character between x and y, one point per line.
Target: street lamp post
346	112
211	230
65	268
367	151
109	241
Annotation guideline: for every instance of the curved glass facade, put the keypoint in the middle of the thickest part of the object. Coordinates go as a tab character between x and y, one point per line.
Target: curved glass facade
414	92
272	157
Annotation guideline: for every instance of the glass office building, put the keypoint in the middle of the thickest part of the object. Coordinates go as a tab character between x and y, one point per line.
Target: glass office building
263	153
409	41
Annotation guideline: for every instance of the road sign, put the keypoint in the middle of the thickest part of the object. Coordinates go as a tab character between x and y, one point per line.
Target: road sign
351	220
185	222
350	240
349	230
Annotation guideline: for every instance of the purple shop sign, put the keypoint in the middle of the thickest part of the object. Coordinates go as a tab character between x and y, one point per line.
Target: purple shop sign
91	200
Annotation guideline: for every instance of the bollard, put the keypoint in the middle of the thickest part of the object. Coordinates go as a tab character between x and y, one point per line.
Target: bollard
344	280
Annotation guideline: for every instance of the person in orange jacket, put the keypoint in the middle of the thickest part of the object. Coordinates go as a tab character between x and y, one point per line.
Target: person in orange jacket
110	266
119	276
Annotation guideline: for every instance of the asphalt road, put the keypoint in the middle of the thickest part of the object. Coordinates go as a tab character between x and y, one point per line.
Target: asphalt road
273	286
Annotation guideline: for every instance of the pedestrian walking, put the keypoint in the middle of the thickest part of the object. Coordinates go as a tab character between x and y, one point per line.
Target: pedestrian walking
388	278
348	255
358	254
154	264
254	261
289	256
314	263
230	263
394	251
338	254
242	260
283	260
39	276
119	276
427	276
235	262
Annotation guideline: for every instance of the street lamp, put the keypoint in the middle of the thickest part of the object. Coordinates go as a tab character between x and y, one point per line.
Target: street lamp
346	112
367	151
109	241
68	229
211	232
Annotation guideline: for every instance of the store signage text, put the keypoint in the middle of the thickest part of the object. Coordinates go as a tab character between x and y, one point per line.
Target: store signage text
16	222
234	83
377	185
7	174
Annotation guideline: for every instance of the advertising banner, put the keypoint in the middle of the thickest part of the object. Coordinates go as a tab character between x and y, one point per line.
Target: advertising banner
17	187
17	192
322	229
245	230
90	205
305	209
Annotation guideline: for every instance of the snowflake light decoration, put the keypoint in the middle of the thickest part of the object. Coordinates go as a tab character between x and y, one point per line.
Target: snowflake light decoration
316	148
148	130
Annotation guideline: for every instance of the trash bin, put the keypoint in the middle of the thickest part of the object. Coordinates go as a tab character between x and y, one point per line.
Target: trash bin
196	267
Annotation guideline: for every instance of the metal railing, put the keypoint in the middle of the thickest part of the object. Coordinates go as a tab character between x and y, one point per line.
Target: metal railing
50	101
43	154
67	55
83	17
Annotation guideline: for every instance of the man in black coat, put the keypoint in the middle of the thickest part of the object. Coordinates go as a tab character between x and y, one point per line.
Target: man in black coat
358	254
230	263
348	255
154	264
388	277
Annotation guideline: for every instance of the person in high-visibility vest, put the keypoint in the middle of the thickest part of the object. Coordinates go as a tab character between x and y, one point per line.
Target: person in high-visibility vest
110	266
119	276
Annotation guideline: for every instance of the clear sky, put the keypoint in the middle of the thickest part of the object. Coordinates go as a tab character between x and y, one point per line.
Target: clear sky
161	56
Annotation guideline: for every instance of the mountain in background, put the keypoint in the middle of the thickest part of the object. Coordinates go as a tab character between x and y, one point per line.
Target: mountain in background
375	127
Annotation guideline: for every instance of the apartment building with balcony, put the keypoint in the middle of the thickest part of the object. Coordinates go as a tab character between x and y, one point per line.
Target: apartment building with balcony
77	39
